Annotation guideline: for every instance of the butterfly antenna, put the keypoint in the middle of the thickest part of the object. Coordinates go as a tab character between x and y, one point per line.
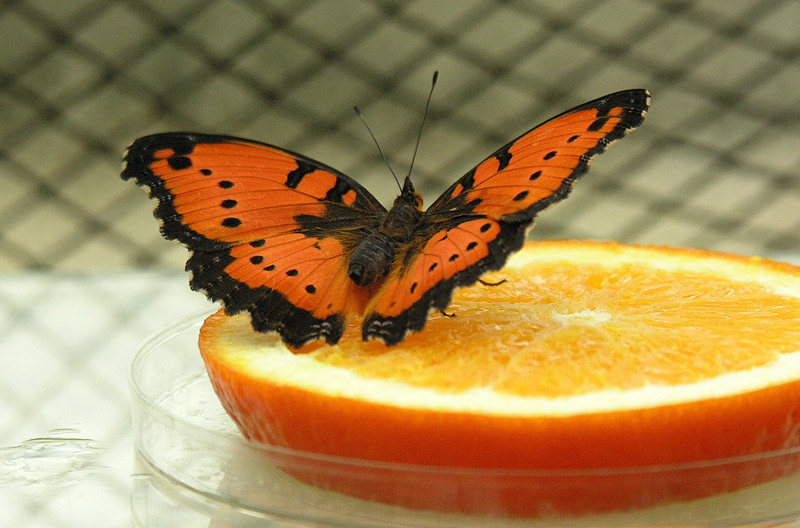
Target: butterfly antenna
421	125
386	161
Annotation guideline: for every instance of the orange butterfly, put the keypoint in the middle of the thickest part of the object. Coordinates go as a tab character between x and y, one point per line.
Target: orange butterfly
301	246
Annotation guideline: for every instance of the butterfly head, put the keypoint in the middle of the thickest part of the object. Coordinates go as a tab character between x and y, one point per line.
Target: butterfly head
409	195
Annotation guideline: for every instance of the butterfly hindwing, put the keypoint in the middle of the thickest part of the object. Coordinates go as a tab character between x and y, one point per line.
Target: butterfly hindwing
454	254
270	231
483	217
296	285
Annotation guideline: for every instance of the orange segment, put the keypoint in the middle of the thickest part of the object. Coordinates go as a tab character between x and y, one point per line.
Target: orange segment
591	355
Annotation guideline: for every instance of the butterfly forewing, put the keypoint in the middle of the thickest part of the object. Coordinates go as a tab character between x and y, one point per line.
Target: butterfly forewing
538	168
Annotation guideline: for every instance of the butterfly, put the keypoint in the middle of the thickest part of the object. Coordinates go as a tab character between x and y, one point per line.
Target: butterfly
301	246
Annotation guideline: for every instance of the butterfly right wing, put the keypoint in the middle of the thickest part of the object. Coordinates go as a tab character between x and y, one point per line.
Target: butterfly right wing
483	217
270	231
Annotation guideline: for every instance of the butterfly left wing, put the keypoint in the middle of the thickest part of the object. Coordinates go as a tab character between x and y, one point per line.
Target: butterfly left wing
484	216
270	231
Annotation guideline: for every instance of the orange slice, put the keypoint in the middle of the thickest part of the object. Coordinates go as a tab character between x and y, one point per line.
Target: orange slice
592	359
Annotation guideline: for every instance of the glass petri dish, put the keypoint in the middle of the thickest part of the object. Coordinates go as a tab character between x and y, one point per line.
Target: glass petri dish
196	469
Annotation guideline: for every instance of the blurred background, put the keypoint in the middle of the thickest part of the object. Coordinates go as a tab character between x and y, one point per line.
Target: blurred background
85	275
716	164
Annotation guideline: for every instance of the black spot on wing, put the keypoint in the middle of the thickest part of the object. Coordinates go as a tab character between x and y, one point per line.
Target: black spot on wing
598	124
468	180
503	157
179	162
336	193
294	178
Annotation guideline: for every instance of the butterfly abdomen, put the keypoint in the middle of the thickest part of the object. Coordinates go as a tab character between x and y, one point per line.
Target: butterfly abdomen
371	259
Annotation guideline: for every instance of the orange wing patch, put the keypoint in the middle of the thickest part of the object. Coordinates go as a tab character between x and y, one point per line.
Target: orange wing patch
349	198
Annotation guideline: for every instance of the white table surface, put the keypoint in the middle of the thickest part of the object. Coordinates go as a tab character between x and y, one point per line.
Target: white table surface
66	448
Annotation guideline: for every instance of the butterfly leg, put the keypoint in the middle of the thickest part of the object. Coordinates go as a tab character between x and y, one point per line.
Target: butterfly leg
447	314
498	283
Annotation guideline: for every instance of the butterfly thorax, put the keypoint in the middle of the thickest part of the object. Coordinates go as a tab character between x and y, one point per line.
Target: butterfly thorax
374	255
404	215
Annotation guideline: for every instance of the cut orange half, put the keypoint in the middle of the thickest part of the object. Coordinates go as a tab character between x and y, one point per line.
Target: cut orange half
590	359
